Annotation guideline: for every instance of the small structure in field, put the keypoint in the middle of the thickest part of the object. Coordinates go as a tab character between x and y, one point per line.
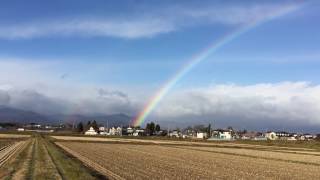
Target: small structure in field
271	135
91	131
20	129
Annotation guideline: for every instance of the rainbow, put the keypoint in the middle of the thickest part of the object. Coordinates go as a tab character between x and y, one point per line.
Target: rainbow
202	55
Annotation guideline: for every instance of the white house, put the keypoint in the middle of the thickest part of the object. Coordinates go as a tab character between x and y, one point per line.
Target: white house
105	133
174	133
102	128
221	135
91	131
130	130
119	131
115	131
138	132
201	135
225	135
20	129
271	135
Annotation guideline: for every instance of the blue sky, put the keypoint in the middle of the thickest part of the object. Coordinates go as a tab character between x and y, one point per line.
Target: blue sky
54	47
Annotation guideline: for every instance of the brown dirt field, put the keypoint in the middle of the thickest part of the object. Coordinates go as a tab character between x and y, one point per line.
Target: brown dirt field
283	155
14	136
8	156
187	143
133	161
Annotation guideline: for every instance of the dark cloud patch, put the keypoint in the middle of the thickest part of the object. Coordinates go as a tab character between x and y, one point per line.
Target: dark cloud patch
37	102
4	98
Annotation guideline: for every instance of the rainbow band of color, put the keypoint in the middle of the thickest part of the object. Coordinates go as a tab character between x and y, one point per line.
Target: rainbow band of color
196	59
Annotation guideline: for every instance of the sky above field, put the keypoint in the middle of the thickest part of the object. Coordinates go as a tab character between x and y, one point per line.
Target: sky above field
106	57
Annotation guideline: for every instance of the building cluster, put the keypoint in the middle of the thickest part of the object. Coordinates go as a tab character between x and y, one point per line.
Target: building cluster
114	131
35	127
214	135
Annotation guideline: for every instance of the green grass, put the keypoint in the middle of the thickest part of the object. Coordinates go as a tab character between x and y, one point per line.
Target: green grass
68	166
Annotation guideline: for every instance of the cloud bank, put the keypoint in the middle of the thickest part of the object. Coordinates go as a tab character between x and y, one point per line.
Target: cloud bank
150	23
281	105
284	105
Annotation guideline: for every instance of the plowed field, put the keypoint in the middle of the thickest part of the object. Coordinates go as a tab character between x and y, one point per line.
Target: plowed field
133	160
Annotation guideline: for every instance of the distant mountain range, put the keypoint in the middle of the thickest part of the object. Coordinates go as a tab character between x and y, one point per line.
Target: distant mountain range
13	115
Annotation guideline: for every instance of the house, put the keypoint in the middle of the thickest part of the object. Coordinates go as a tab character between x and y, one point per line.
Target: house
102	128
105	133
291	138
174	133
202	135
260	138
221	134
282	134
91	131
130	131
306	137
138	132
250	135
270	135
20	129
115	131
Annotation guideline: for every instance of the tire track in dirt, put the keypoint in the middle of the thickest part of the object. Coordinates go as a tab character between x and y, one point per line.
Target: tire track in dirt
23	168
44	168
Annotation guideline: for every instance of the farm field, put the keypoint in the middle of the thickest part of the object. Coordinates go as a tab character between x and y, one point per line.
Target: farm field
37	158
145	159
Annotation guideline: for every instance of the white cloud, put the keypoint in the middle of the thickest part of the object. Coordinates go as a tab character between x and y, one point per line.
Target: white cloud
283	104
147	24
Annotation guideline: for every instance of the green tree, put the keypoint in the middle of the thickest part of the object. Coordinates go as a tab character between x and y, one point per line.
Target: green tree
148	131
95	125
152	128
88	125
80	127
158	128
209	130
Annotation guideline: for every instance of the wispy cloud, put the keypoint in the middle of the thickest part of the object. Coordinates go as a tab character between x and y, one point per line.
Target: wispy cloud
148	24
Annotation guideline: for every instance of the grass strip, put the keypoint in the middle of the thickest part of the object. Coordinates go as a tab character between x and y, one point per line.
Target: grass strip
68	166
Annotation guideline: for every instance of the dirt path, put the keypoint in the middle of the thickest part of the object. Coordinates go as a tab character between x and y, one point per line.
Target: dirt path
44	168
23	168
33	162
